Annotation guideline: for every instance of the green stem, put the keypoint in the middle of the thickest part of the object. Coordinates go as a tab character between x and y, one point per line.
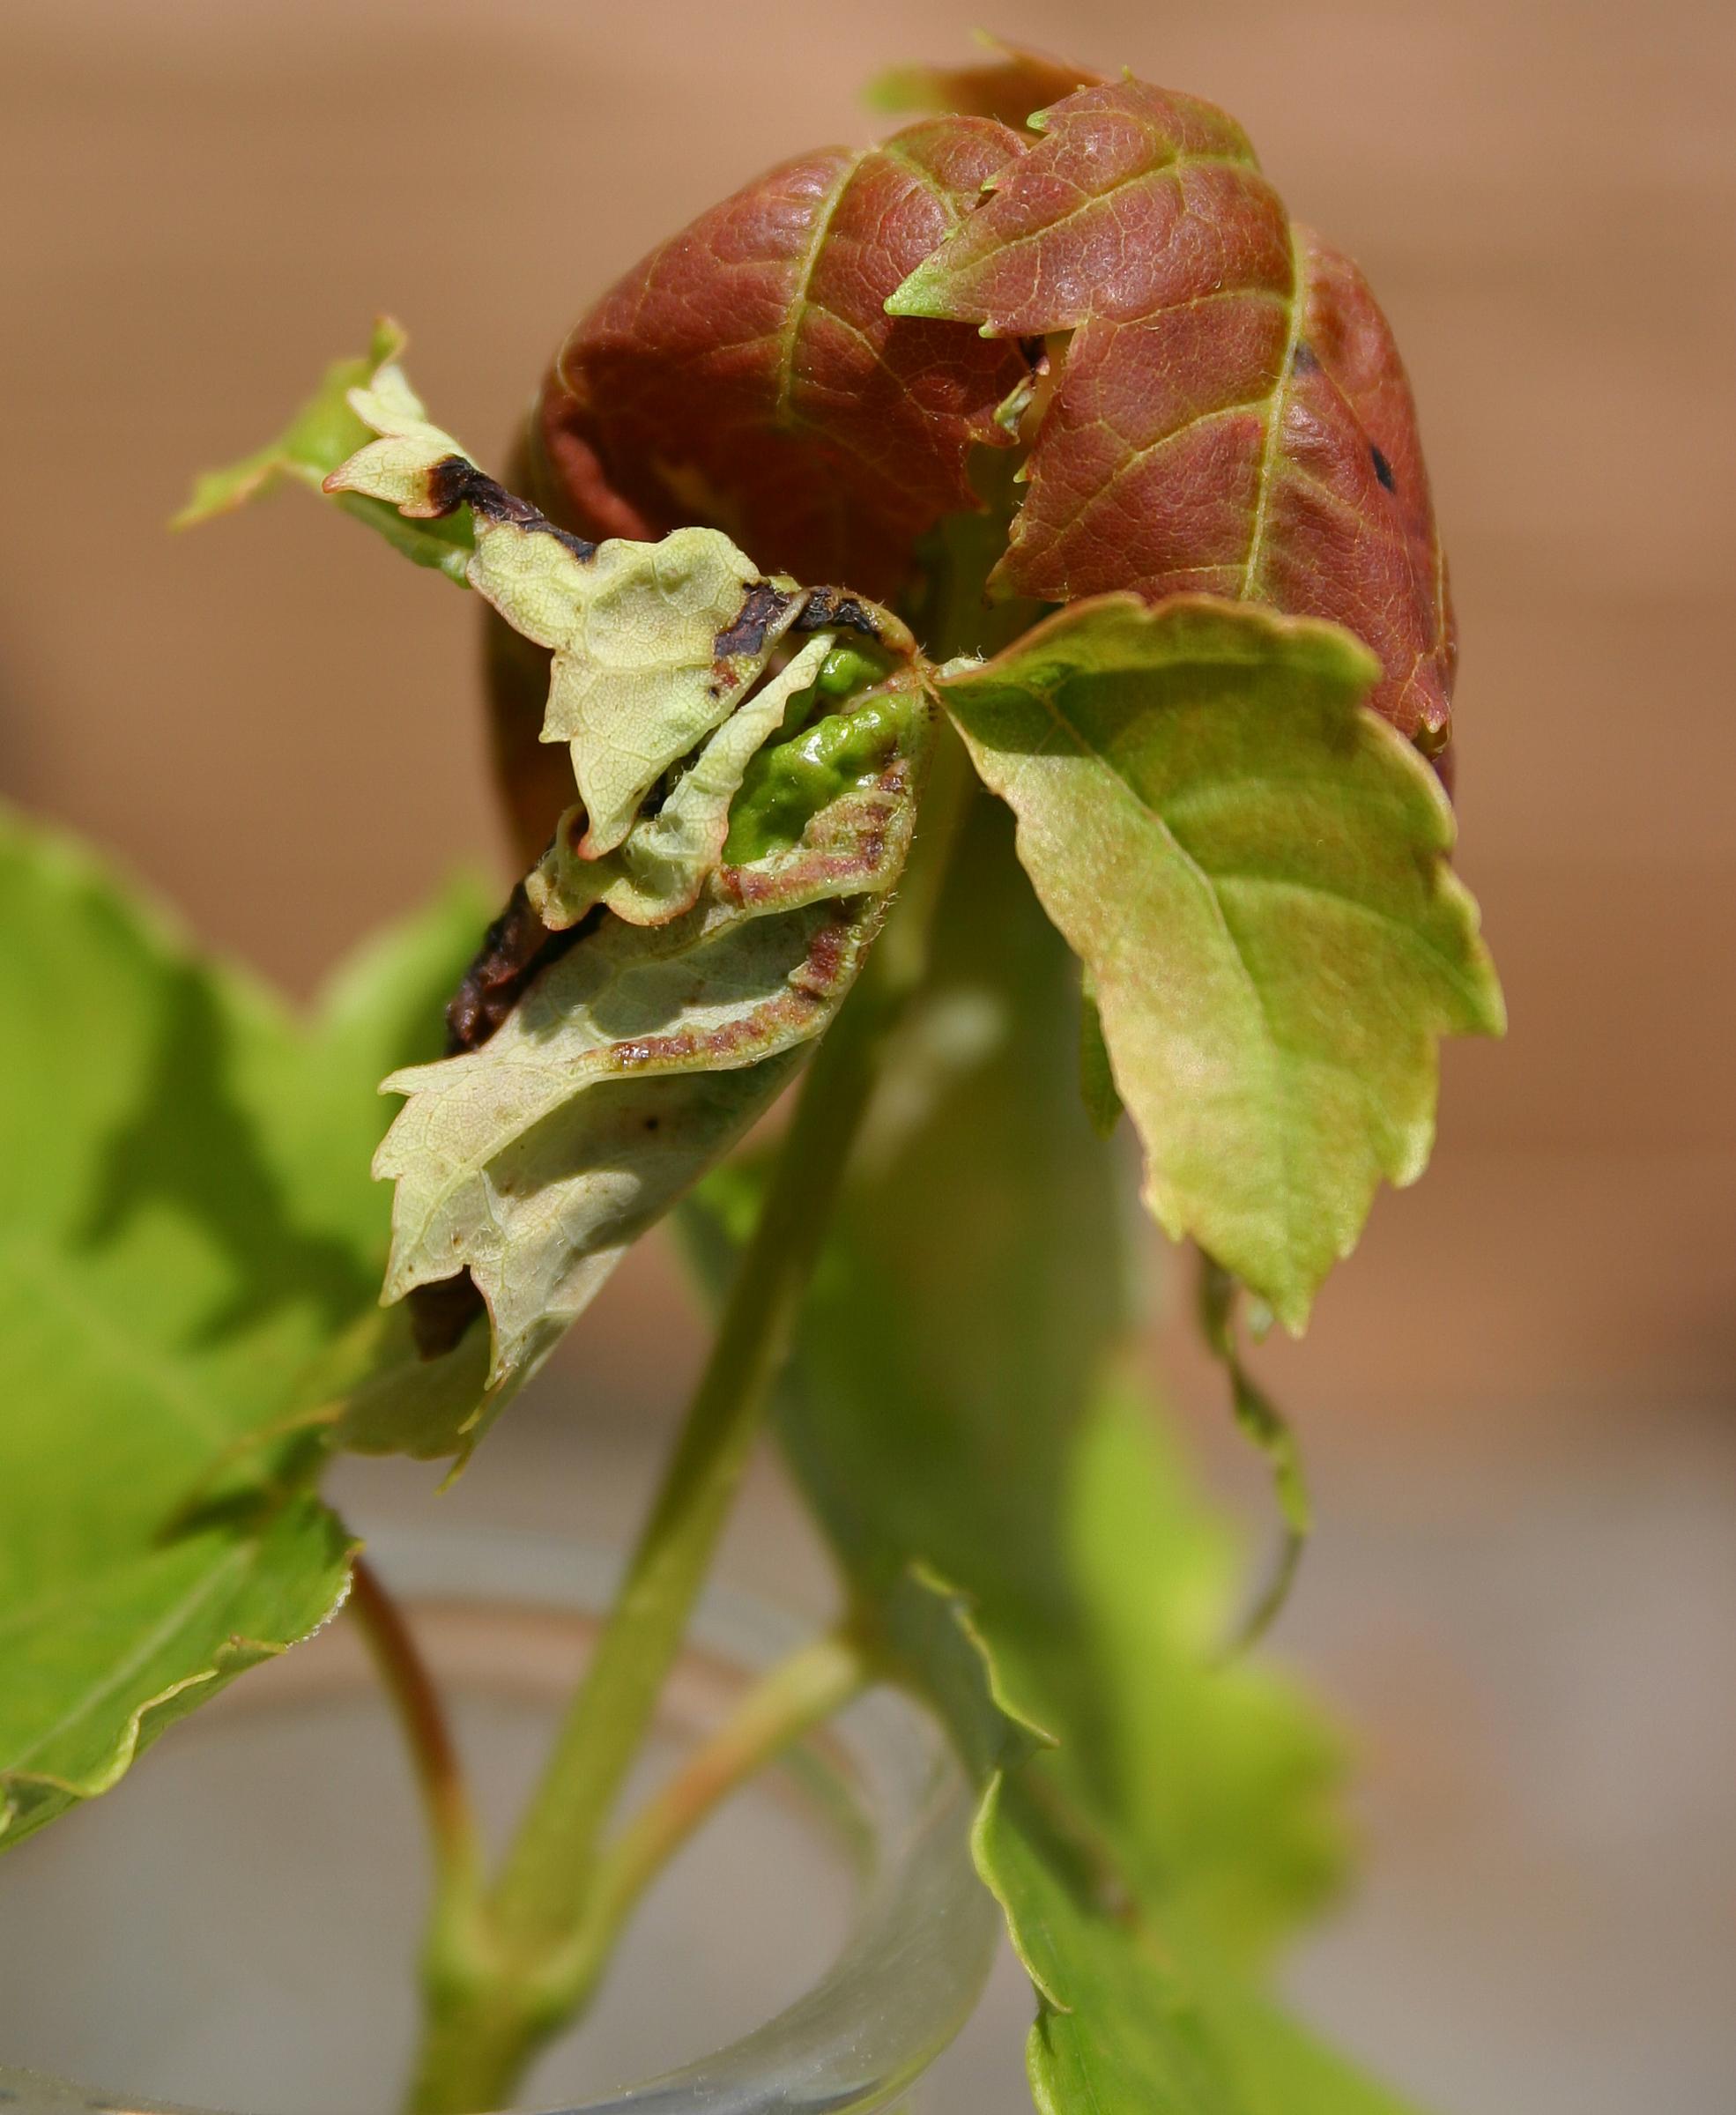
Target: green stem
489	2009
792	1698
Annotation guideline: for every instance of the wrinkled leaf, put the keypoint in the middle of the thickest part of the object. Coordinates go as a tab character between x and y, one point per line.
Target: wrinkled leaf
323	434
186	1220
633	1060
661	866
655	644
650	989
747	374
947	1416
1254	870
1231	416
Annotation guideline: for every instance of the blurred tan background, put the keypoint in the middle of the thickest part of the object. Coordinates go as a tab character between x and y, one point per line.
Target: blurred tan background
1517	1400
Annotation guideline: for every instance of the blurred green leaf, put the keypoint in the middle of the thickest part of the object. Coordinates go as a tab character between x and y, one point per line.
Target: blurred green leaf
1253	868
1011	1513
186	1222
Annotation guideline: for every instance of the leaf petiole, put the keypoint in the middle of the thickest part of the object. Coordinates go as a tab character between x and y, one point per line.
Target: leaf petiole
427	1735
790	1699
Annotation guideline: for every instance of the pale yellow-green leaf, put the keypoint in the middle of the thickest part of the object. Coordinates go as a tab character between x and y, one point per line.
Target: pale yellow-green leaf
394	469
533	1161
638	678
632	1064
323	434
658	869
1253	868
650	653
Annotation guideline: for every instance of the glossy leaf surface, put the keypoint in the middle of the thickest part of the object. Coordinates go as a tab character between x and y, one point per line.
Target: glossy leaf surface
1231	415
1253	869
186	1221
747	374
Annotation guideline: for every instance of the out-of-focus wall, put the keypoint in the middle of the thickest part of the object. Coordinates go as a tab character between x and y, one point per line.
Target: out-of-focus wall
1520	1383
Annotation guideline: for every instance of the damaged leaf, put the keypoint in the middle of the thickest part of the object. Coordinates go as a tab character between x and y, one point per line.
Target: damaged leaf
631	1064
660	866
654	644
650	988
1253	870
1231	415
326	432
747	374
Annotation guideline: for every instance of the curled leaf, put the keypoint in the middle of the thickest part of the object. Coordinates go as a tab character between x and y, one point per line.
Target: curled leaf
1253	869
629	1067
1231	415
652	985
324	432
659	868
654	644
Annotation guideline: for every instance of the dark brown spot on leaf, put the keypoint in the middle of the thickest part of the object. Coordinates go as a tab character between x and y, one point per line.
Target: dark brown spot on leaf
763	606
829	606
455	482
515	949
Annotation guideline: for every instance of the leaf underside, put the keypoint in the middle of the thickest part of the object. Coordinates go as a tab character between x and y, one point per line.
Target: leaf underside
187	1221
674	979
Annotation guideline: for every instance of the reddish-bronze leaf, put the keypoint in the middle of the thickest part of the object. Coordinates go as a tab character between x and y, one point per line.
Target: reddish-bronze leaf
1231	415
748	375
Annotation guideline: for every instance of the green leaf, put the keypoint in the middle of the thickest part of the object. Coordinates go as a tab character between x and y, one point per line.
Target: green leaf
322	435
186	1222
1253	869
1154	1822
